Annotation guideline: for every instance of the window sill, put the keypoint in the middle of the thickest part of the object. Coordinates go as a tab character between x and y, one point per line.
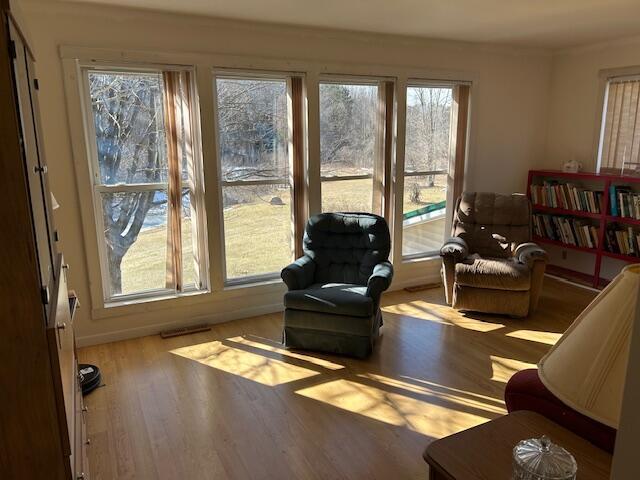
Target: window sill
422	258
125	302
251	282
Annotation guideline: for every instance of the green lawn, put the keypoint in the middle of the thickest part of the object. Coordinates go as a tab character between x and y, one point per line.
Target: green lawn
257	234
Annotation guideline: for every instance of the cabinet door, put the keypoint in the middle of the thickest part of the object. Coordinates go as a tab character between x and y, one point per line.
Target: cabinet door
36	169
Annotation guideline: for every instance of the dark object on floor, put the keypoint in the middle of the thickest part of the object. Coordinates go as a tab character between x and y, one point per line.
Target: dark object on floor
525	391
176	332
89	376
333	302
489	263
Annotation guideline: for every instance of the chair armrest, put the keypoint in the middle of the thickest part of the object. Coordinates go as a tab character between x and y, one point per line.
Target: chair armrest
380	279
529	253
299	275
456	248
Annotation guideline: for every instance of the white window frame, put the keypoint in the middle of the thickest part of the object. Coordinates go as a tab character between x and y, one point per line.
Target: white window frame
199	234
241	74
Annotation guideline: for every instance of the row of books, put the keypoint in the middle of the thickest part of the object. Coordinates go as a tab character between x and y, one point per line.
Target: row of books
624	240
624	202
566	196
572	231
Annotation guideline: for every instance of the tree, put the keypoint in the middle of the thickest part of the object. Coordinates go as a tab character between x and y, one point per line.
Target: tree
253	128
348	116
128	120
428	122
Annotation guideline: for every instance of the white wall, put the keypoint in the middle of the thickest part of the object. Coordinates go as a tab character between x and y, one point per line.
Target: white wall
576	103
508	131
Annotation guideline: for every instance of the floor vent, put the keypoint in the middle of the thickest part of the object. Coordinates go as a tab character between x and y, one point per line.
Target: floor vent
176	332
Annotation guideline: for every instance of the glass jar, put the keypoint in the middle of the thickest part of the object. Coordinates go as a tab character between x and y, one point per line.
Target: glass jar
540	459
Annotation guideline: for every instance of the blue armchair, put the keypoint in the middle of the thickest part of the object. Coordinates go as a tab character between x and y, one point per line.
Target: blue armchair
333	302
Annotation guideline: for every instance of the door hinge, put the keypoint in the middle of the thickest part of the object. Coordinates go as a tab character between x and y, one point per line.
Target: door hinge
12	49
36	85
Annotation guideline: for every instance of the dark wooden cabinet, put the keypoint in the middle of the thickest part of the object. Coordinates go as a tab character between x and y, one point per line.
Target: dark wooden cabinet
43	434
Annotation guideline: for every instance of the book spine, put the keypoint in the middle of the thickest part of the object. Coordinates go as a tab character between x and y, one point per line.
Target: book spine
613	201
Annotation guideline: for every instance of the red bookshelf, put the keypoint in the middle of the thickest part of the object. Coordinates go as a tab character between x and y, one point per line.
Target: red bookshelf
604	218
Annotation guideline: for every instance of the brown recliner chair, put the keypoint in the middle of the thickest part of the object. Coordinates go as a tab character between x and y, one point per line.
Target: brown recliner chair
489	264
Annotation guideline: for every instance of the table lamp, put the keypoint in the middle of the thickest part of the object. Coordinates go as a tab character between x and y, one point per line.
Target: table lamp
586	368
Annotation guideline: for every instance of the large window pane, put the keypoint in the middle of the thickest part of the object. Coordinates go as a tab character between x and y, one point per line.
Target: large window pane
128	121
428	125
426	153
135	235
257	229
348	127
253	135
348	144
423	214
252	128
347	195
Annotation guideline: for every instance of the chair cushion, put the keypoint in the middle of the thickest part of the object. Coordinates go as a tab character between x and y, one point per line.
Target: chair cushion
493	273
335	298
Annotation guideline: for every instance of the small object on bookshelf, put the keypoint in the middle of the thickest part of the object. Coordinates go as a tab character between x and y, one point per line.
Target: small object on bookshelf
631	169
572	166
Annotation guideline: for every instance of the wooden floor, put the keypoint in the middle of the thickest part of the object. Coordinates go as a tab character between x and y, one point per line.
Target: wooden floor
231	403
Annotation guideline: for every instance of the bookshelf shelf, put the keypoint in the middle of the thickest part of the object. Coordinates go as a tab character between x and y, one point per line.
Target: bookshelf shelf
562	211
597	182
619	256
563	245
627	220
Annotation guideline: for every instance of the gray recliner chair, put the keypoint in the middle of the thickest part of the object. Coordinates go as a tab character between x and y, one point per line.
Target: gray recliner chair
333	302
489	264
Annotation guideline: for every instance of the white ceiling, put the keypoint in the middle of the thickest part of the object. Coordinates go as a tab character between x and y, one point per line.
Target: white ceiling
536	23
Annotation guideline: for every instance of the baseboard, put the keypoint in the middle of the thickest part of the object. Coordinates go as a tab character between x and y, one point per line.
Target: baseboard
415	281
154	329
400	282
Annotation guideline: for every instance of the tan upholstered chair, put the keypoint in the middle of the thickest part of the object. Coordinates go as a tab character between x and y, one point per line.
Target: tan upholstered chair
489	264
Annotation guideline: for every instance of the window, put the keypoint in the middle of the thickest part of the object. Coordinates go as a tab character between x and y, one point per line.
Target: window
255	154
350	145
431	129
146	182
619	148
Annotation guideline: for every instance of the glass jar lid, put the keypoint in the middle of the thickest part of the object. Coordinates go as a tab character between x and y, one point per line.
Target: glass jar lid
540	458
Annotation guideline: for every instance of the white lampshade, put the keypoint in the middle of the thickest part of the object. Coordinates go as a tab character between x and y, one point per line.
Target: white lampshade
586	368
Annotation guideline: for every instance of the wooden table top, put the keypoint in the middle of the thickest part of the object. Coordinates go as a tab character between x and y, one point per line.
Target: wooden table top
485	452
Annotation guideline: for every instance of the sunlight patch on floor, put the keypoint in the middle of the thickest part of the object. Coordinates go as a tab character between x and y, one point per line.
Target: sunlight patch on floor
479	397
504	368
268	345
248	365
393	408
441	314
444	393
548	338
